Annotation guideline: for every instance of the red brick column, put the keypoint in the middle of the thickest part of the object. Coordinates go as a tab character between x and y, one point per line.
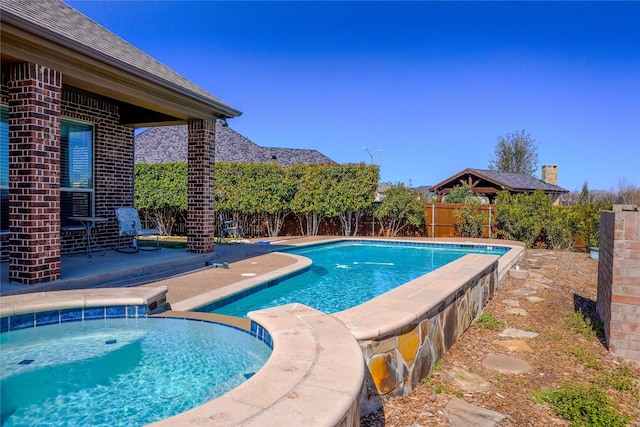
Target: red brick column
619	280
34	173
200	213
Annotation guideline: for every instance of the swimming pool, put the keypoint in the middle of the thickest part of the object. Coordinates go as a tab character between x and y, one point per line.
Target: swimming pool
123	371
348	273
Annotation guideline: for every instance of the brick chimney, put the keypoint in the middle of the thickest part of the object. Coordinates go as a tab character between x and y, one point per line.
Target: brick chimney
550	174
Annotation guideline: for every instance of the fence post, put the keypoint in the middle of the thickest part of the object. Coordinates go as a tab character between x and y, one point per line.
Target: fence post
433	220
489	221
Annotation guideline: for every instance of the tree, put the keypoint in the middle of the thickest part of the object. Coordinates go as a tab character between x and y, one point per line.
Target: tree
352	194
515	153
458	194
627	193
400	207
585	197
310	202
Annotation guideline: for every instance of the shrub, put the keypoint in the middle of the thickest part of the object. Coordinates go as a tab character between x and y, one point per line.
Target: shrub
558	231
161	193
583	406
522	216
586	223
470	219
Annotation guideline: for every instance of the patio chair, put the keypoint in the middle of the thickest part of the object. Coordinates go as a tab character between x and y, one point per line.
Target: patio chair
130	227
229	228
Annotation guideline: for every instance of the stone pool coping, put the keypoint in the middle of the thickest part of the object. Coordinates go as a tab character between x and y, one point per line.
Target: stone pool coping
313	377
13	305
242	285
505	263
407	303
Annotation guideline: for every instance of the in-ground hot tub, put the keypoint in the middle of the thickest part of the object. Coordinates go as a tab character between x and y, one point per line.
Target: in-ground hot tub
107	365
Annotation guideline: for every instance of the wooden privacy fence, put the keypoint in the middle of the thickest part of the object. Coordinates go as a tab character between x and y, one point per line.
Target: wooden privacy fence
441	220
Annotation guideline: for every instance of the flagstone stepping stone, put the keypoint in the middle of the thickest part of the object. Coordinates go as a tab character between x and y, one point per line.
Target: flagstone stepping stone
468	381
512	302
514	345
535	285
506	364
523	291
539	278
535	299
463	414
517	333
518	311
518	274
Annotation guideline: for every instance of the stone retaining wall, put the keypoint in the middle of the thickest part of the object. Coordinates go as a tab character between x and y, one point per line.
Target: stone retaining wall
411	327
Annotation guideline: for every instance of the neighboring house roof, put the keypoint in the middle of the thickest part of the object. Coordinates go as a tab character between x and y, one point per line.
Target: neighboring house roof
425	193
169	144
491	181
52	34
380	190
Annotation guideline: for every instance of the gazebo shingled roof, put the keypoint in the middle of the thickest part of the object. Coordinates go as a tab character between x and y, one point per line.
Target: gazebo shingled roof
485	181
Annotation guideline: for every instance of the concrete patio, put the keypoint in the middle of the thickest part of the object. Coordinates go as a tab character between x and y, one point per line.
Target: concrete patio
114	269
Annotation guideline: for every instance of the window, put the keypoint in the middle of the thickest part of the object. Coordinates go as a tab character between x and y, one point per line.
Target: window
76	167
76	170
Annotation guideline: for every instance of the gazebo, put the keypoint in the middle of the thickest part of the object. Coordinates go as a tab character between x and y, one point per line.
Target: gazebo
489	183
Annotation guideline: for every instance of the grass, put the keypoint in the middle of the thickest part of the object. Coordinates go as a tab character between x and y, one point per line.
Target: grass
583	325
165	242
487	321
553	337
591	406
441	388
585	357
621	378
582	406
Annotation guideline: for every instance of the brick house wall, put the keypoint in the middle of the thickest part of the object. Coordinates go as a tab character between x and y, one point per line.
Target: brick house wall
618	302
113	161
37	102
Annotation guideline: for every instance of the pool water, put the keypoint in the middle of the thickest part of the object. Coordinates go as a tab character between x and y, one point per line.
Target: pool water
130	371
349	273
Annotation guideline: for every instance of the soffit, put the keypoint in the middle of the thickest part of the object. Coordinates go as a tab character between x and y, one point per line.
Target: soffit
104	75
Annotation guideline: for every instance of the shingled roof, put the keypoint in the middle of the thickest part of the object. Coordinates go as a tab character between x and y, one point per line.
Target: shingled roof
169	144
85	50
490	182
518	181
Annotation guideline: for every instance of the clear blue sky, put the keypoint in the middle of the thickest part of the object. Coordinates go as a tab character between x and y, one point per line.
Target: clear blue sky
430	84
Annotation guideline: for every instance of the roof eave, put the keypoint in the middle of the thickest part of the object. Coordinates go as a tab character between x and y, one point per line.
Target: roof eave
84	66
